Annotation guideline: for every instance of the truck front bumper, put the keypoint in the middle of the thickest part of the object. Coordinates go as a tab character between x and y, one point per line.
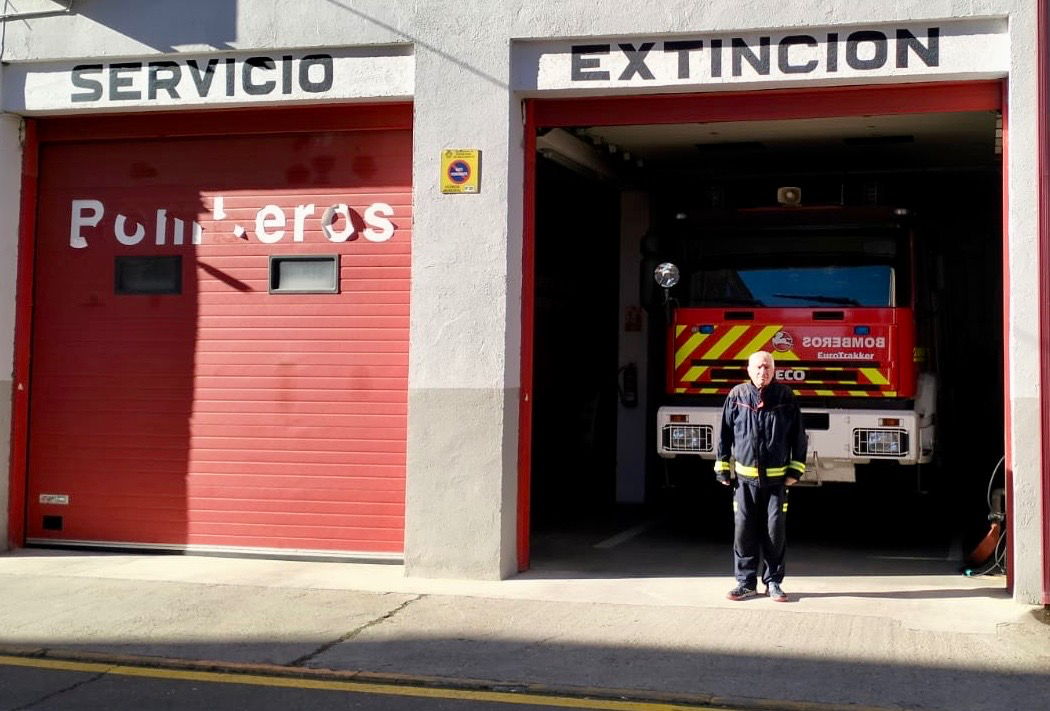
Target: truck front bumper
837	438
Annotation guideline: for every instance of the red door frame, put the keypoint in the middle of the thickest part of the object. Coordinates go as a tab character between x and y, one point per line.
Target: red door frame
128	126
528	290
1008	452
1043	93
776	104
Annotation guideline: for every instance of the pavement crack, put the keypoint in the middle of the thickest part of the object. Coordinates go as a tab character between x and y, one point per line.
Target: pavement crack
60	692
301	661
538	643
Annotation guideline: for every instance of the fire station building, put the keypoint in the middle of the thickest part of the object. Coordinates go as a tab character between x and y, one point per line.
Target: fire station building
363	280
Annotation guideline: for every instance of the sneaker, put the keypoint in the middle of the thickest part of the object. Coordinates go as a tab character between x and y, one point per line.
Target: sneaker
741	592
775	593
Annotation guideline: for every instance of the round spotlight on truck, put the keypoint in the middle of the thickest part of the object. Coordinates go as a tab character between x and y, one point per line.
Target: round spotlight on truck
666	275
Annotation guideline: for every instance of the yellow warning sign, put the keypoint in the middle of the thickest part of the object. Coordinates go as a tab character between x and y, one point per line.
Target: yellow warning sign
460	170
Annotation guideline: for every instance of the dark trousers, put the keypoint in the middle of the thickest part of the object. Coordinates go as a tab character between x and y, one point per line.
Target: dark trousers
760	518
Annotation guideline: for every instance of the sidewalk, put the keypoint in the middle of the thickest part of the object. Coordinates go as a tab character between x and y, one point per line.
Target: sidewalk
931	642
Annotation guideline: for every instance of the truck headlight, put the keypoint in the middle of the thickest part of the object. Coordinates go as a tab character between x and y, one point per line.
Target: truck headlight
880	442
688	438
685	438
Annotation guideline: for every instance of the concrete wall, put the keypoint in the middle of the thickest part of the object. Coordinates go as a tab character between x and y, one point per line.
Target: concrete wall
464	368
1022	328
466	331
10	179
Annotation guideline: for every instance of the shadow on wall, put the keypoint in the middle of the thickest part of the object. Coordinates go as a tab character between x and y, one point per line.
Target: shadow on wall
167	25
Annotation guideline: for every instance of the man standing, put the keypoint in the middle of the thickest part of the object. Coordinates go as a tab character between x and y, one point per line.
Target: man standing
763	433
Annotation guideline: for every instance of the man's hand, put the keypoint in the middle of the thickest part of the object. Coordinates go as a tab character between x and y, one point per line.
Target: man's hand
790	480
723	482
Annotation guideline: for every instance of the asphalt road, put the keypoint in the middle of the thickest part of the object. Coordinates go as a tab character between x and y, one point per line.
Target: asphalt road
49	685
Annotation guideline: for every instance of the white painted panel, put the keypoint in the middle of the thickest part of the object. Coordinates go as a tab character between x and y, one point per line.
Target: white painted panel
221	79
823	55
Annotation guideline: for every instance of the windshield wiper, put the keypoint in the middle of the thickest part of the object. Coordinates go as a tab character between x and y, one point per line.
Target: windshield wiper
838	300
732	301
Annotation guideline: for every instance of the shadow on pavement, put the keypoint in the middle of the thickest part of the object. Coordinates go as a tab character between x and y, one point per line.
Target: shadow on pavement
760	677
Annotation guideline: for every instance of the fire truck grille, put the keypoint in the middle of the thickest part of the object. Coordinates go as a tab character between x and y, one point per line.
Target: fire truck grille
880	442
688	438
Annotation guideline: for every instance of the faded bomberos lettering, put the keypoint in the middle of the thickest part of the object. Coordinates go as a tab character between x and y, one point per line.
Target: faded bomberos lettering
271	224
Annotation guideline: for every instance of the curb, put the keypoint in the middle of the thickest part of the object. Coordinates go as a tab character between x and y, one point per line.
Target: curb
435	682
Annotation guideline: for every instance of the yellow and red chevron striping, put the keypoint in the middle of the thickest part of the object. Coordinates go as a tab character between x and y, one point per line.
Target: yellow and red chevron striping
711	363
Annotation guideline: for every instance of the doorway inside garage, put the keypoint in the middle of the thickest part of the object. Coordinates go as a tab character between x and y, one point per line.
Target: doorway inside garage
575	344
612	176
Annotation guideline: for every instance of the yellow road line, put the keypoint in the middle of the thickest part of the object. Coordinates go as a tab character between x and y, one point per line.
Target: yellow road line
530	698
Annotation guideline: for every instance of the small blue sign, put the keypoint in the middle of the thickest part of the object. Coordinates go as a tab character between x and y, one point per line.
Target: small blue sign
459	171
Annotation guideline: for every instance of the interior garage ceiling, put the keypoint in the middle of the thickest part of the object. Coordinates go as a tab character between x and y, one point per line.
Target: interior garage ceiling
900	142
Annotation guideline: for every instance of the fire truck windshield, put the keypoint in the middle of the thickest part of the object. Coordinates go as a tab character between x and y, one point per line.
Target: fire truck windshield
816	270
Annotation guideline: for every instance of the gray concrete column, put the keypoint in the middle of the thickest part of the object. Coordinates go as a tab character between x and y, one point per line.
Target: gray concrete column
1022	325
464	343
10	190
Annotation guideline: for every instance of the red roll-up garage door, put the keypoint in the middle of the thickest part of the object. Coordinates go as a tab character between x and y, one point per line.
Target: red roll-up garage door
220	341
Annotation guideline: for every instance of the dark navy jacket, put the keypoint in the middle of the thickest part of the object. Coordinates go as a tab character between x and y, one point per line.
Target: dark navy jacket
763	433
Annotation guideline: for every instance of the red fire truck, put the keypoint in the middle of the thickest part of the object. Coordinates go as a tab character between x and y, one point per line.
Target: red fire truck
836	294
